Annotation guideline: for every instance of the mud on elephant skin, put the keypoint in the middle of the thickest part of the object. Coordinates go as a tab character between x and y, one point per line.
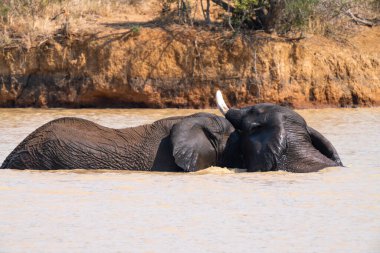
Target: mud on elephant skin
263	137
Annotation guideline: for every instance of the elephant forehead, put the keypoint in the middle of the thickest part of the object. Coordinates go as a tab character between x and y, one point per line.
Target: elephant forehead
261	114
266	111
259	109
267	108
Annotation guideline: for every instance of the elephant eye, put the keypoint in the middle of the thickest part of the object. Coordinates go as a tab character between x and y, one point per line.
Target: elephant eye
255	127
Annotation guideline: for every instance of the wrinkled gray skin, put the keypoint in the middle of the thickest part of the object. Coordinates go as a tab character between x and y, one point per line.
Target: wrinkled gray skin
263	137
273	138
173	144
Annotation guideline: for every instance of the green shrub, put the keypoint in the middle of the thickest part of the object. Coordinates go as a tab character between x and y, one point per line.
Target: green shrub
135	30
245	5
245	12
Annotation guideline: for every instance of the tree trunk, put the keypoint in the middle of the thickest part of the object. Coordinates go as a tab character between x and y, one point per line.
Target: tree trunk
224	5
270	19
208	20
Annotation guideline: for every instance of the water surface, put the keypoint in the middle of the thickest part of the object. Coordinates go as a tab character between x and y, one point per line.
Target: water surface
216	210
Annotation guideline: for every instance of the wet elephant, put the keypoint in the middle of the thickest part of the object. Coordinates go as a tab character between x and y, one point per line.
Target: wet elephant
274	137
262	137
185	143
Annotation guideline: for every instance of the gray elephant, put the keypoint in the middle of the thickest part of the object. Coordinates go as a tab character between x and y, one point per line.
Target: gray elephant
263	137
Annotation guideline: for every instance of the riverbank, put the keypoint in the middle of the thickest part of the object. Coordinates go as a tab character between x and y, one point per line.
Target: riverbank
172	66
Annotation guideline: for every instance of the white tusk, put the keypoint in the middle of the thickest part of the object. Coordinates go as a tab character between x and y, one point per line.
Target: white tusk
220	102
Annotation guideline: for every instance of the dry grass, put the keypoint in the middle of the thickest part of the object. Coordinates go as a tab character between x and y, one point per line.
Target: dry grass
331	17
29	22
33	21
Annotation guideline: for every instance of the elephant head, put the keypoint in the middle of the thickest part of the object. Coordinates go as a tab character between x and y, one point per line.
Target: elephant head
273	137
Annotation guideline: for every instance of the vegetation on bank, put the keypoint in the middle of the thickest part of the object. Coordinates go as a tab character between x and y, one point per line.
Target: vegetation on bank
284	16
29	22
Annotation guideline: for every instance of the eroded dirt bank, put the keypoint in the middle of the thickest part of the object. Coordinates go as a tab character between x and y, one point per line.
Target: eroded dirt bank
170	67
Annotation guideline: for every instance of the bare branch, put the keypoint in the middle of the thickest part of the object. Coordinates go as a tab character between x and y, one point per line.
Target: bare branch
359	20
224	5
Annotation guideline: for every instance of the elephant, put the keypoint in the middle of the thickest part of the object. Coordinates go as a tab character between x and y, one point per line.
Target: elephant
186	143
262	137
274	137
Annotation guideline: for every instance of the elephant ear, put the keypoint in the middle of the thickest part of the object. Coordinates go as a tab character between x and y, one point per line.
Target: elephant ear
195	143
323	145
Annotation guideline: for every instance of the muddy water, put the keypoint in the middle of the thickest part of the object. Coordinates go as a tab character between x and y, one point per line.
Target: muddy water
216	210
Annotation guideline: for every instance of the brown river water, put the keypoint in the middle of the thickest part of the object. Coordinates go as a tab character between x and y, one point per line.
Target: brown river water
215	210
